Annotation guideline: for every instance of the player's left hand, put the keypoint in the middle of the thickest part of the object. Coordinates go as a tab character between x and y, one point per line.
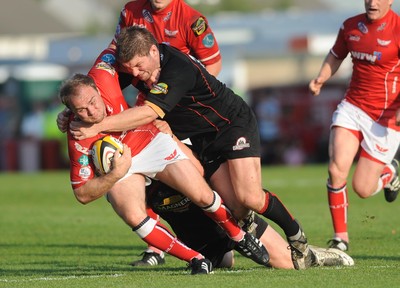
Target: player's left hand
163	126
81	131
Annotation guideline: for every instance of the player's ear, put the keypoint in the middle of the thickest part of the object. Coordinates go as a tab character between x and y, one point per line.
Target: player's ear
154	51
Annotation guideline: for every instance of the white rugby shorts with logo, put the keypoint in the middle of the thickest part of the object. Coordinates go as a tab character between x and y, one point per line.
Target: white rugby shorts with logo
379	141
159	153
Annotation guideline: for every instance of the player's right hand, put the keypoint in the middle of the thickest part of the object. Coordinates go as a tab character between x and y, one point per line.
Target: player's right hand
121	162
315	86
62	120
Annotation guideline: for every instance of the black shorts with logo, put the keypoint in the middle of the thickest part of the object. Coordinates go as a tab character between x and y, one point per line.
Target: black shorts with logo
239	139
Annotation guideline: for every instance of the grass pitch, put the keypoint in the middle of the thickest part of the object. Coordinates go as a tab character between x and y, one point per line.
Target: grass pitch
48	239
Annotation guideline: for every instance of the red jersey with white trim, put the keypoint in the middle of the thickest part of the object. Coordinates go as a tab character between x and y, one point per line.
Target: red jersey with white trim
106	79
178	25
374	48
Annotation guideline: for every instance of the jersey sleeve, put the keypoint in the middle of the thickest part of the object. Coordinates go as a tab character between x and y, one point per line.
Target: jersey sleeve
339	49
81	167
200	38
123	19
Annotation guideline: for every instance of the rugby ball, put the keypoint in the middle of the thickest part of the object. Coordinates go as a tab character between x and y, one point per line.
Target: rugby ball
103	153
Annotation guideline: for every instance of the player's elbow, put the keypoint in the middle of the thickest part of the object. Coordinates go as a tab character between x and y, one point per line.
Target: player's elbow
82	197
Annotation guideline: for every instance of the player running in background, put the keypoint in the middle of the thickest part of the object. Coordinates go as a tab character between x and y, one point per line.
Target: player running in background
221	126
367	118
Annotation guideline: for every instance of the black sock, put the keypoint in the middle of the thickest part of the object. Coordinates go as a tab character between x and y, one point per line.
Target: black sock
278	213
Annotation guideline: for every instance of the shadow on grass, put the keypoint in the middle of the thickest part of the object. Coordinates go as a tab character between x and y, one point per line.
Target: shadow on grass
74	260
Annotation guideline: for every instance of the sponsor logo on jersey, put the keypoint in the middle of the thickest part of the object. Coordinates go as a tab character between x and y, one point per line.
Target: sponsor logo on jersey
381	149
106	67
362	27
355	38
172	156
85	172
80	148
166	18
170	33
199	26
208	40
176	203
366	57
241	143
147	16
83	160
383	43
108	58
159	88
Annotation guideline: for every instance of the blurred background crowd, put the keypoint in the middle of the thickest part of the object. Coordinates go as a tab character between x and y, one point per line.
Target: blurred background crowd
270	50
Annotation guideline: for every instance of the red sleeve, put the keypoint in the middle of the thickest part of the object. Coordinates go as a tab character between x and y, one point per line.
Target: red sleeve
106	79
339	49
200	37
81	167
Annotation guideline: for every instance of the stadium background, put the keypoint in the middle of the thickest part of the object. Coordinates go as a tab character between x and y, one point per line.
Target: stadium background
268	58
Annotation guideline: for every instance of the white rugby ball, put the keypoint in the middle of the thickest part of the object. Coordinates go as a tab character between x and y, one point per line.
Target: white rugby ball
103	153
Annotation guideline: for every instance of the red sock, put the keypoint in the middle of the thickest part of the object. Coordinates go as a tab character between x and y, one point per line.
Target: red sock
387	175
223	217
338	203
156	217
155	235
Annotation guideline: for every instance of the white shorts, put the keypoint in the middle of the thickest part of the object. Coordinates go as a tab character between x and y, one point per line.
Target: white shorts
160	152
378	141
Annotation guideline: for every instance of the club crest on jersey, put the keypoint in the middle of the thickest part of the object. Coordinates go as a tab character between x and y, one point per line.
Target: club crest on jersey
362	27
159	88
241	143
147	16
106	67
108	58
208	40
199	26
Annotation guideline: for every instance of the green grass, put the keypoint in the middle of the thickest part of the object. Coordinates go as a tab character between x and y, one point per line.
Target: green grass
48	239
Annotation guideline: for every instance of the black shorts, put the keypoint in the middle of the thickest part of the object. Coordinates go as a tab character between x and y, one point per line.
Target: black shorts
239	139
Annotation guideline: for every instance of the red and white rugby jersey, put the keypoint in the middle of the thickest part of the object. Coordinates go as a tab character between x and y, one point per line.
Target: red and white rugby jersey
106	80
374	49
178	25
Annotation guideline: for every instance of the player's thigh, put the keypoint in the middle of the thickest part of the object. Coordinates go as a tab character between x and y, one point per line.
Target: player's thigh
184	177
245	174
343	147
127	197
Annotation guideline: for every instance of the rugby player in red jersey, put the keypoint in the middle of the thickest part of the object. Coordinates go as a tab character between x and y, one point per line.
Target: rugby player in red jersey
368	116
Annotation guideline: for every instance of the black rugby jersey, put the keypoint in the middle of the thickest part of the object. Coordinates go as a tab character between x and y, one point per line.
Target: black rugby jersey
194	101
